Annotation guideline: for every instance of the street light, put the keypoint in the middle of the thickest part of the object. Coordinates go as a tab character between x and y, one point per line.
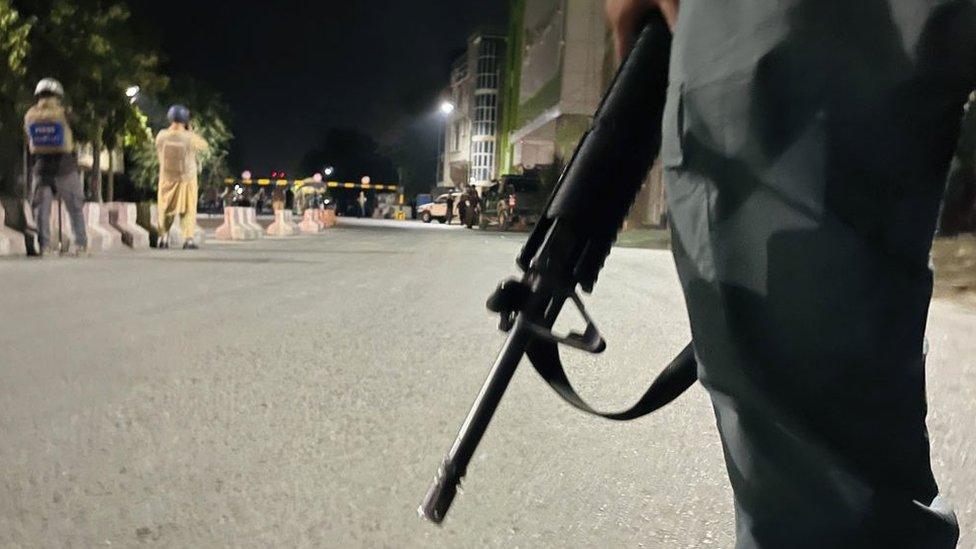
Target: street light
447	108
328	170
132	92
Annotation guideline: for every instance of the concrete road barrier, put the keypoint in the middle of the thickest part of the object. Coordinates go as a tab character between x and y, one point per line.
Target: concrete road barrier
310	223
12	242
123	216
19	216
28	225
101	235
251	220
327	218
284	224
144	219
235	226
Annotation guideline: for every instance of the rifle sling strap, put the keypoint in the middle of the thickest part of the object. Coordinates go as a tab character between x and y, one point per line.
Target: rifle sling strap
676	378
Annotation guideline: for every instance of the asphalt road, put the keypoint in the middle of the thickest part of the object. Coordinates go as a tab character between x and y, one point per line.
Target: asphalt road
301	392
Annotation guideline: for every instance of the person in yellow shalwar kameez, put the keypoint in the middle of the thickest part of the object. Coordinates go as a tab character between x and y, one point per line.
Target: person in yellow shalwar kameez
177	147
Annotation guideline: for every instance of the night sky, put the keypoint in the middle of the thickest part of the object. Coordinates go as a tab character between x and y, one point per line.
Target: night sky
290	70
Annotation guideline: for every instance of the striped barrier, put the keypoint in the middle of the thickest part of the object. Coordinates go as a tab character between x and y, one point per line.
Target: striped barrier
299	183
101	235
122	216
235	226
284	224
310	223
11	242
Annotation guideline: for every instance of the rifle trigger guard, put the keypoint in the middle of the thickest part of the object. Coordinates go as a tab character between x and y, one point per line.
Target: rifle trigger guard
590	340
508	300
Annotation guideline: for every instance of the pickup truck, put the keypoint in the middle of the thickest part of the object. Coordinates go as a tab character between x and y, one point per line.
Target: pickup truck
514	199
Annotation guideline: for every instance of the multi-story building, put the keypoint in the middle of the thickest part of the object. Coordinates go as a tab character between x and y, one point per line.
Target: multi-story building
469	154
560	61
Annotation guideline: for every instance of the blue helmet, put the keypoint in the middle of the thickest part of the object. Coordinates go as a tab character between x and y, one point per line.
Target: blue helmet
179	113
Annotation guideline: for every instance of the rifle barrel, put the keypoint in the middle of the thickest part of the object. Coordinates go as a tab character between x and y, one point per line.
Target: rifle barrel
442	491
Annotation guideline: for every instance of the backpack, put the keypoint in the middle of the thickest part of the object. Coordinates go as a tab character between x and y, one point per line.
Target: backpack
173	161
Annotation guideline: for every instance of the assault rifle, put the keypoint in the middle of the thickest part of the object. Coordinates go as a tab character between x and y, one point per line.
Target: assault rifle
567	249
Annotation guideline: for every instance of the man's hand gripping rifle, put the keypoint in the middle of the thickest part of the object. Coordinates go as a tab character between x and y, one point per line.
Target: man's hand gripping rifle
566	251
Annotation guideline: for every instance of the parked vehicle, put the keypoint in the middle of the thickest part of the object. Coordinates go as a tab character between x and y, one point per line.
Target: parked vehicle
513	199
423	198
438	208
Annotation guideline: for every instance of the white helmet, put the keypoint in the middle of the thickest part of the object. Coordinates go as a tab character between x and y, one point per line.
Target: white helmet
49	85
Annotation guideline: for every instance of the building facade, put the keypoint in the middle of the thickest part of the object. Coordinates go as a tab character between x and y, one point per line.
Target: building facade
560	61
471	130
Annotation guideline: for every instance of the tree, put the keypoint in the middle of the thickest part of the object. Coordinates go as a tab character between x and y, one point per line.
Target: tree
90	46
14	95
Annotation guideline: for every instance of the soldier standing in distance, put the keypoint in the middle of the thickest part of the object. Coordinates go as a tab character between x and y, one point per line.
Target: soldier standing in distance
177	147
55	169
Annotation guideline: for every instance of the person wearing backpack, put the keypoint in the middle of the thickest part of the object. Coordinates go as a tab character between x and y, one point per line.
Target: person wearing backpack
177	147
55	168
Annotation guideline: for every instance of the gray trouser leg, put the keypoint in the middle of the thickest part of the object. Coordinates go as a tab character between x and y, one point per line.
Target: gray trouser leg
41	203
71	192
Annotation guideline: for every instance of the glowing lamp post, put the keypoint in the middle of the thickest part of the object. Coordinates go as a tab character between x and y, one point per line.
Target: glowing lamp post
132	92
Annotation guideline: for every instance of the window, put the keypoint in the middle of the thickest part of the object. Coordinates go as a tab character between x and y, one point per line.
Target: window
485	119
482	160
487	66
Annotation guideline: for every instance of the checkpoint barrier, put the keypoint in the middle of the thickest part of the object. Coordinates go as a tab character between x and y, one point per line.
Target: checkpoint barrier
310	223
101	235
123	217
284	224
236	226
12	242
